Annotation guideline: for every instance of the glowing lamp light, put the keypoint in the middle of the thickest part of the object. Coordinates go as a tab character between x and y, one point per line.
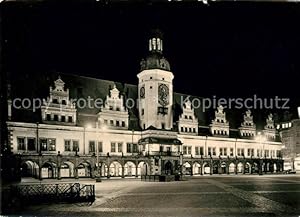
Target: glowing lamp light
299	112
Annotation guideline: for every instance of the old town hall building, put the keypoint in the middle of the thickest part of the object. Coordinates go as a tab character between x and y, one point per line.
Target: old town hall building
162	134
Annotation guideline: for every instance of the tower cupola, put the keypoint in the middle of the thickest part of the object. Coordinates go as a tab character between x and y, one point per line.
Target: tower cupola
155	58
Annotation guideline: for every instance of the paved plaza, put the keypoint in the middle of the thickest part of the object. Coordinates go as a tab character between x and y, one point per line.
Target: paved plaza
276	195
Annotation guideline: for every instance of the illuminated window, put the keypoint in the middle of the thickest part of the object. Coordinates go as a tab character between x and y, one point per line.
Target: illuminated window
43	144
52	144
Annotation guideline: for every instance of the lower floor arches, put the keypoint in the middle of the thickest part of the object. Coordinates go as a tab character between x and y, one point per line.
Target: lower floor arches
240	167
206	168
187	169
231	168
67	169
255	168
54	168
49	170
215	168
115	169
247	168
84	170
30	169
196	168
129	169
143	168
223	168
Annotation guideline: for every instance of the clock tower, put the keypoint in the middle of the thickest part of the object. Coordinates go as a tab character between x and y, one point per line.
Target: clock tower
155	88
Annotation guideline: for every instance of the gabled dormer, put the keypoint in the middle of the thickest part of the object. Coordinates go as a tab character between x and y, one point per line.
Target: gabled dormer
188	122
269	129
220	126
113	114
248	128
58	108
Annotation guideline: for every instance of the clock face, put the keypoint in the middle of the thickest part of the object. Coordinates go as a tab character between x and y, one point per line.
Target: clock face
142	92
163	94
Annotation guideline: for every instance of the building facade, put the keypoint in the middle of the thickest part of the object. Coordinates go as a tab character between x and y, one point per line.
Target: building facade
143	129
290	136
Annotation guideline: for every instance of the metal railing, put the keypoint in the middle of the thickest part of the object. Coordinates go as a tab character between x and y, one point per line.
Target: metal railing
46	193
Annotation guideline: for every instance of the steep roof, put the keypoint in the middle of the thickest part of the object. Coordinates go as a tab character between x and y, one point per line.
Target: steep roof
32	86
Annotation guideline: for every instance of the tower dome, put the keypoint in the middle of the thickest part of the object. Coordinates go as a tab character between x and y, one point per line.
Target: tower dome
155	58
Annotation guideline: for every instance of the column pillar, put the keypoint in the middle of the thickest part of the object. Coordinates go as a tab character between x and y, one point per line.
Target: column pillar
265	167
40	167
40	173
76	167
123	168
108	168
58	172
227	168
136	169
219	168
260	167
201	167
76	172
58	163
236	167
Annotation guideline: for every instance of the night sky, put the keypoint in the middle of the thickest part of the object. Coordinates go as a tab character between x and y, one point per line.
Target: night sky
226	49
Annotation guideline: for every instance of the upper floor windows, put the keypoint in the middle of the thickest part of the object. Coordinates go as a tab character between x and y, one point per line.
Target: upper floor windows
187	150
71	145
47	144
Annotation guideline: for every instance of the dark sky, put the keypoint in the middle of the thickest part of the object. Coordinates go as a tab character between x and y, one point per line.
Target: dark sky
227	49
